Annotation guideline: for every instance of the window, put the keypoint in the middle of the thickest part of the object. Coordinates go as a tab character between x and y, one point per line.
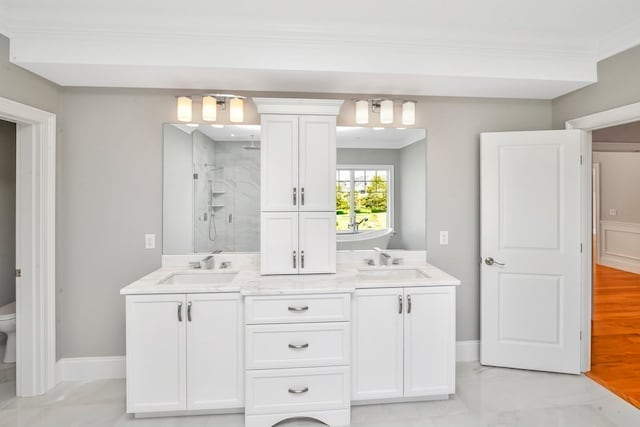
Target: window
363	197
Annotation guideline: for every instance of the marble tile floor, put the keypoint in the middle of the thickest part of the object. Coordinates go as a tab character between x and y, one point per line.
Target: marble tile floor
486	397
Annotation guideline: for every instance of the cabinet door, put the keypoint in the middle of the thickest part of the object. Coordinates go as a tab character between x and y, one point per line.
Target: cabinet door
279	163
317	169
279	243
377	344
317	242
156	357
429	341
215	337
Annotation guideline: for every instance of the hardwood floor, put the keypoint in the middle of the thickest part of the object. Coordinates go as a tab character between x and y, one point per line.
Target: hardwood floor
615	344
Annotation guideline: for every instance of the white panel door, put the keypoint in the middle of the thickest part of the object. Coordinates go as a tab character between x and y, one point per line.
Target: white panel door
377	348
317	170
317	242
279	163
531	250
156	356
279	243
429	341
215	340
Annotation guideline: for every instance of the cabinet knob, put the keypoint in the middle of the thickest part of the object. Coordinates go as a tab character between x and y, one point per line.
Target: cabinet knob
408	304
295	196
298	390
399	304
189	311
179	312
294	259
299	346
299	309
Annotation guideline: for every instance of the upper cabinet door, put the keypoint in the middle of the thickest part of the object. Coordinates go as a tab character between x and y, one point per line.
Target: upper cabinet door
317	242
215	348
317	170
429	341
279	243
279	163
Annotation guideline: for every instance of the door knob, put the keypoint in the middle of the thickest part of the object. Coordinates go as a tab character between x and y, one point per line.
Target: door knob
491	261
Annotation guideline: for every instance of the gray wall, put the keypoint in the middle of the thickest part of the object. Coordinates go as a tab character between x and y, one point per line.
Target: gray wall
617	85
7	212
412	192
619	186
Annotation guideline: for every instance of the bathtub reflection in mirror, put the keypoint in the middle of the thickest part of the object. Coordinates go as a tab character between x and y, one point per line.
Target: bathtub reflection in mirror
211	188
380	188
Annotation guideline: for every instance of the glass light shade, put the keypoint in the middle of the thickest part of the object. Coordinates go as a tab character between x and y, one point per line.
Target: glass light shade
184	109
236	110
386	111
362	112
408	113
209	108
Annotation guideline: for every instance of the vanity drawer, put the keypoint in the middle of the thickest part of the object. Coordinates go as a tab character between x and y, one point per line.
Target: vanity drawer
297	308
296	390
297	345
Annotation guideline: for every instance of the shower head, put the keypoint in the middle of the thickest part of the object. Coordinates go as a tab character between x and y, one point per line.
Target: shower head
253	145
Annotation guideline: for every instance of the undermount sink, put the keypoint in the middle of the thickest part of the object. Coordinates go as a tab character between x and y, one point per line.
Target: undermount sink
199	278
392	274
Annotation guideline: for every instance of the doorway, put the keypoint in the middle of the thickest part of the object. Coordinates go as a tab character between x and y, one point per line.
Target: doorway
615	345
35	246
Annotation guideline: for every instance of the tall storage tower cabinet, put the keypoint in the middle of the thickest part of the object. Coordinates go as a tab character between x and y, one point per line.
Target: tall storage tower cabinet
297	185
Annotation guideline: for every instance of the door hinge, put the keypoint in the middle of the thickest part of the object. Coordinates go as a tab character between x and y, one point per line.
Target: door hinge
580	159
580	335
18	272
580	247
195	176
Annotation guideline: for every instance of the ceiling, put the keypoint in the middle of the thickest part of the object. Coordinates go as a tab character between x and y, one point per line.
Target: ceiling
347	136
491	48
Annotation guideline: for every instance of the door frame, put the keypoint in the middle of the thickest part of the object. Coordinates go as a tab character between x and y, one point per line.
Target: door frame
615	116
596	208
35	290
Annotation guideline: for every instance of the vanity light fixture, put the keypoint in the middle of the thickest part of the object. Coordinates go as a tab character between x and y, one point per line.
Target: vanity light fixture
211	103
408	113
184	108
362	112
385	108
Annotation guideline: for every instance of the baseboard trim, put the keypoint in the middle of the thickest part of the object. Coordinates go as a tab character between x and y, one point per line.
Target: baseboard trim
468	351
90	368
114	367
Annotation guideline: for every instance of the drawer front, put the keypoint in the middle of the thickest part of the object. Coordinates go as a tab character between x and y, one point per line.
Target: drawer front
296	390
298	308
298	345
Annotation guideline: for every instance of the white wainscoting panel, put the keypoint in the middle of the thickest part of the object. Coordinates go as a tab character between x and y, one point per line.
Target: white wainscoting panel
620	245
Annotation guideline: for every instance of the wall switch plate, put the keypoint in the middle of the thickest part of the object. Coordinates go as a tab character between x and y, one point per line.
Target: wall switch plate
444	237
149	241
613	212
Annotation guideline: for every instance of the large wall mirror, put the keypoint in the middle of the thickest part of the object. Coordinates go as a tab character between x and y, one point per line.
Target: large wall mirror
211	188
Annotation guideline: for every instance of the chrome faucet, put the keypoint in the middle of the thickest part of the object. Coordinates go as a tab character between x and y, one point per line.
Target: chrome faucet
384	257
354	225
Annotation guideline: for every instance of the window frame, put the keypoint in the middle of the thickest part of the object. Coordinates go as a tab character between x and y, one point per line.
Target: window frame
390	190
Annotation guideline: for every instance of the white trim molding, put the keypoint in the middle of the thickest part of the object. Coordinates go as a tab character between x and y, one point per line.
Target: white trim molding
620	245
90	368
616	116
35	251
321	107
468	351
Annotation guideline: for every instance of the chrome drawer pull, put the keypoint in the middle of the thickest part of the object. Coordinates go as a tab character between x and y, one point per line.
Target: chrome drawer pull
299	346
298	390
179	312
299	309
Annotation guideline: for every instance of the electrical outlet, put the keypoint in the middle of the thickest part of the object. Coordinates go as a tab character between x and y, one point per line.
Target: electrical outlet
613	212
444	237
149	241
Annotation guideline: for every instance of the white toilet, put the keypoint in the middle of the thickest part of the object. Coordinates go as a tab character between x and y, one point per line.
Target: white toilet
8	326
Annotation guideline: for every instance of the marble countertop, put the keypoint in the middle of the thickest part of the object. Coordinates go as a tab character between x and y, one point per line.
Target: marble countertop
249	281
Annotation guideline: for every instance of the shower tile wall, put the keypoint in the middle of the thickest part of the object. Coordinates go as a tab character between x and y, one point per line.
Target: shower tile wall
240	179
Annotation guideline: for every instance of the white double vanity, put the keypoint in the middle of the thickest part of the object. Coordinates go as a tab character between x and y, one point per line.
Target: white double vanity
299	330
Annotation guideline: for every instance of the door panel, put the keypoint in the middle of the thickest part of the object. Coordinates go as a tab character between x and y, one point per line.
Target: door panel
377	344
156	357
530	222
317	242
279	243
279	163
317	163
215	348
429	341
